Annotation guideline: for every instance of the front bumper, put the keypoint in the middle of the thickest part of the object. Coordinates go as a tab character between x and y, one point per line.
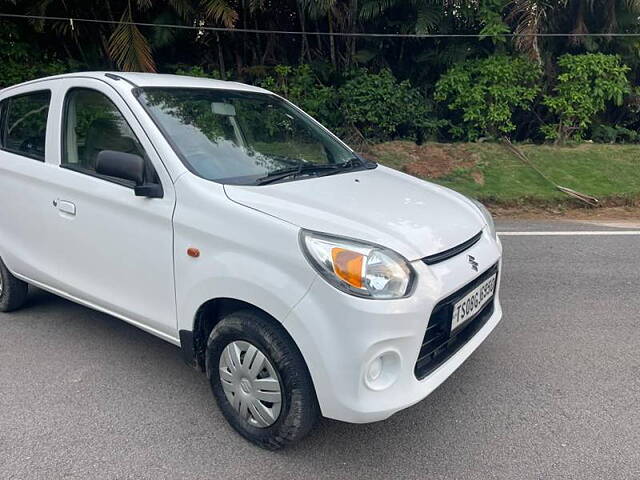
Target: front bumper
340	335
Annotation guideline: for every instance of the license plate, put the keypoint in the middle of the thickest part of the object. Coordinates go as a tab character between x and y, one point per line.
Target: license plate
473	302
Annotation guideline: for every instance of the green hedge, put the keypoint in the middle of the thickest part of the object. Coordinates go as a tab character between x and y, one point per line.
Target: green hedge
487	97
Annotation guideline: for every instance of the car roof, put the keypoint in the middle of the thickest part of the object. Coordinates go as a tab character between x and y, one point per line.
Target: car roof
150	80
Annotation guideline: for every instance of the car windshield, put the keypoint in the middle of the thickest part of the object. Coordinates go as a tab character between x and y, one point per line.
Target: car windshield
244	138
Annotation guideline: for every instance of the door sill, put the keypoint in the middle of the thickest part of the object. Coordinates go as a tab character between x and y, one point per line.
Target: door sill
93	306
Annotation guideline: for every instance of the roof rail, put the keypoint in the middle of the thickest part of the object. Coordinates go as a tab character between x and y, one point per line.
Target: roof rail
115	77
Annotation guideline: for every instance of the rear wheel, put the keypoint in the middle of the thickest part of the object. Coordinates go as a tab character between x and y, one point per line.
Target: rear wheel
260	380
13	291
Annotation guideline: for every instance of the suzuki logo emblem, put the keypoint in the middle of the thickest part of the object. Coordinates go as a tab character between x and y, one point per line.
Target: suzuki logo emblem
472	261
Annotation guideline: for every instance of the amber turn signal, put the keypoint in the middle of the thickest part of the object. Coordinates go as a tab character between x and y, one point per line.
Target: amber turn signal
348	265
193	252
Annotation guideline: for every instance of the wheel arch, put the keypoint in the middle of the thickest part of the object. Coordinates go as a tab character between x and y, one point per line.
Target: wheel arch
208	315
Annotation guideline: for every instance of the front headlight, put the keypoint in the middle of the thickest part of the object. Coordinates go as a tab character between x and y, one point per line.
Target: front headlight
358	268
487	216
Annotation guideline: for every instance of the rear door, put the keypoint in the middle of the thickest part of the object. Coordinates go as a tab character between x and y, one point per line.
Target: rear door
109	247
26	150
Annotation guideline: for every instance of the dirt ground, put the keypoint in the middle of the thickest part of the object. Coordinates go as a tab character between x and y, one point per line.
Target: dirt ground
428	160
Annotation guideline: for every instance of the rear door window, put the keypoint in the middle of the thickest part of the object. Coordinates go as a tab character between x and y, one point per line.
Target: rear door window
25	124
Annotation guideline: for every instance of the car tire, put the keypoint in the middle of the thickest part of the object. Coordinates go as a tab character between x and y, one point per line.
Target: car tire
13	291
248	400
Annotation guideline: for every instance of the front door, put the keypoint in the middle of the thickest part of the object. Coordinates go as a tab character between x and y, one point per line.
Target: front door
109	247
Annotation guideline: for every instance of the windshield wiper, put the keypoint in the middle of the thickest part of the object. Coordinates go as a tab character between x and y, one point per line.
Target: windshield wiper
294	172
309	168
356	162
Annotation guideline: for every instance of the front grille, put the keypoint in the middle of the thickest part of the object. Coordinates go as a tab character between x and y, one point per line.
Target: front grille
439	343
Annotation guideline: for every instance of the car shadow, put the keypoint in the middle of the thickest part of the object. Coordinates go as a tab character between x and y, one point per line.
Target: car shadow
133	362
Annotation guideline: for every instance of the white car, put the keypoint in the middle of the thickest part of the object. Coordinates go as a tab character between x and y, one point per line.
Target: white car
303	279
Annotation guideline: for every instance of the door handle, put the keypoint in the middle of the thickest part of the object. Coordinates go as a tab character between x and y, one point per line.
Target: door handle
65	206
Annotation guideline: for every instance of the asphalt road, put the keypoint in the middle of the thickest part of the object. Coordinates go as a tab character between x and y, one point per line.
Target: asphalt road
554	392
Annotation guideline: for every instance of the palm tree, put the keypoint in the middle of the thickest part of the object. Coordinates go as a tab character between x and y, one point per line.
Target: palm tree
531	17
128	47
222	11
124	44
333	11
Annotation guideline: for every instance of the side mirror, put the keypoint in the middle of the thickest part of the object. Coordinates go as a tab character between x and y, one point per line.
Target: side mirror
121	165
127	166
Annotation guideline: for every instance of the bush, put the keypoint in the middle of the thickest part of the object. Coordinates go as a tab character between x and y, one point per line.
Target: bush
487	91
300	86
381	108
613	134
585	84
199	71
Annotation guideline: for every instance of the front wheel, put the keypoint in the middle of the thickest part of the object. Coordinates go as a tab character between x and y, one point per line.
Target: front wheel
260	380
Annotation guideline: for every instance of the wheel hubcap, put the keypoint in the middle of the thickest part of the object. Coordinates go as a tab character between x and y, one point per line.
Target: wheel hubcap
250	383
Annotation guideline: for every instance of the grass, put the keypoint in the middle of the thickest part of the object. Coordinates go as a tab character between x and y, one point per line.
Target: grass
493	174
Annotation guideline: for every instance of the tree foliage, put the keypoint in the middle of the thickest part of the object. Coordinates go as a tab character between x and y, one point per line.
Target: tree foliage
379	87
487	91
301	86
585	84
20	60
380	107
128	48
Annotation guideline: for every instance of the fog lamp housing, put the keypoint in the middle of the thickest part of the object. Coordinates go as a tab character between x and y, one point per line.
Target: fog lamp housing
383	370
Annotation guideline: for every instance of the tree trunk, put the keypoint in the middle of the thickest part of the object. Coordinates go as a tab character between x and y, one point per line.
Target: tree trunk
244	34
258	41
351	46
105	47
562	134
268	49
223	72
319	38
239	64
304	45
611	22
332	43
103	40
536	52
